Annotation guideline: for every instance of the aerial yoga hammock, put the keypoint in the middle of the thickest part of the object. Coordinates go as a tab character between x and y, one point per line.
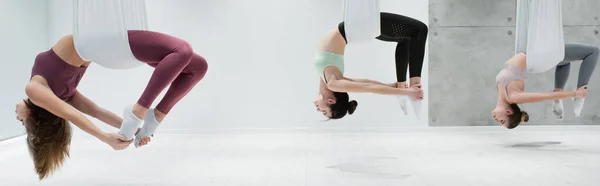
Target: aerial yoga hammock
540	33
112	34
100	34
540	46
100	28
363	22
105	32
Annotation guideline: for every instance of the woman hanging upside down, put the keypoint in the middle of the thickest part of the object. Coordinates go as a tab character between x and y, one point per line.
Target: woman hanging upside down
511	85
333	100
53	99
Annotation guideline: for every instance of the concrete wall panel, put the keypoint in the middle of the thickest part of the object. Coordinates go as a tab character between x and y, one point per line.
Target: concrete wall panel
581	12
472	12
469	44
461	64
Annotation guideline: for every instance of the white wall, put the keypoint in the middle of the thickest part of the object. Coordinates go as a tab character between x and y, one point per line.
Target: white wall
260	56
23	34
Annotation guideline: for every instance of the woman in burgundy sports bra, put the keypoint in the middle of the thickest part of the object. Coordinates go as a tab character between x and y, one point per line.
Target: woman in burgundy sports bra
511	85
54	101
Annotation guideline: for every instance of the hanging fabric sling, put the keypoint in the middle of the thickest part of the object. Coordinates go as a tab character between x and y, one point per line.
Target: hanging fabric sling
362	20
100	31
539	33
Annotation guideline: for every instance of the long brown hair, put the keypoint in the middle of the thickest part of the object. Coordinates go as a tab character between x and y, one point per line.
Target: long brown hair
48	139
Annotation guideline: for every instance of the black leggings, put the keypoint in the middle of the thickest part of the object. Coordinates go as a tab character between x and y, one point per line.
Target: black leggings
411	36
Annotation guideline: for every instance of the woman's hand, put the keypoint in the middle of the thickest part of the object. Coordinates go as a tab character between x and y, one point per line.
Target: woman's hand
415	92
116	141
581	92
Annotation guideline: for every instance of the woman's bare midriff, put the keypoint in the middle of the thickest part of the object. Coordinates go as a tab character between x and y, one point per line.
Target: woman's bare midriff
65	50
333	42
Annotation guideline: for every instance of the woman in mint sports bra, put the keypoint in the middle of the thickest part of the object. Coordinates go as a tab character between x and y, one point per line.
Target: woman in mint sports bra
333	100
511	86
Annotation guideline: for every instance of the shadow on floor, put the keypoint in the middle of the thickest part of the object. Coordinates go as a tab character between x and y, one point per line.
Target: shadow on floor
383	167
551	146
535	144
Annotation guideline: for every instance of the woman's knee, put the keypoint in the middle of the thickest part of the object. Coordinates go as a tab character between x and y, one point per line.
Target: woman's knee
341	28
185	49
595	50
423	29
198	65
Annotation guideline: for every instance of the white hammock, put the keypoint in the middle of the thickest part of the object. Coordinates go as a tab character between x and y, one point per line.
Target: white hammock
100	31
539	33
362	20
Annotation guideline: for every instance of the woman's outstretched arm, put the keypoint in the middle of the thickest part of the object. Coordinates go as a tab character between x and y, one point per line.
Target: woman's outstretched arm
528	97
43	97
87	106
393	85
532	97
344	85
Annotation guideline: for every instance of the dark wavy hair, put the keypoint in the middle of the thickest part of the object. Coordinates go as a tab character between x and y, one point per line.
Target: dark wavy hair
517	117
48	139
342	106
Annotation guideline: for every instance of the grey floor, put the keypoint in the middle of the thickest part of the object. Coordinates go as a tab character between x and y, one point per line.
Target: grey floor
478	156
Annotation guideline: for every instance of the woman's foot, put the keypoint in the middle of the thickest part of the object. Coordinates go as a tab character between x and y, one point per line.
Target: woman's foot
415	81
402	99
557	109
139	110
578	106
579	101
151	121
130	124
403	102
416	103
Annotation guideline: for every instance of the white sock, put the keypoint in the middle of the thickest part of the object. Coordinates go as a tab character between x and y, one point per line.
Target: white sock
578	106
130	123
416	104
557	109
402	100
150	125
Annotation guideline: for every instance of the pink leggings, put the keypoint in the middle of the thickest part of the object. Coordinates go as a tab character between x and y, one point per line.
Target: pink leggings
174	62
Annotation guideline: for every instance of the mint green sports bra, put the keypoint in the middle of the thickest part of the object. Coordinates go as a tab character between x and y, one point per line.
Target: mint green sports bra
325	59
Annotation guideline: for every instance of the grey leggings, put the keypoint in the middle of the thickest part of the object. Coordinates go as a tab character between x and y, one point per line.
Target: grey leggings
576	52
